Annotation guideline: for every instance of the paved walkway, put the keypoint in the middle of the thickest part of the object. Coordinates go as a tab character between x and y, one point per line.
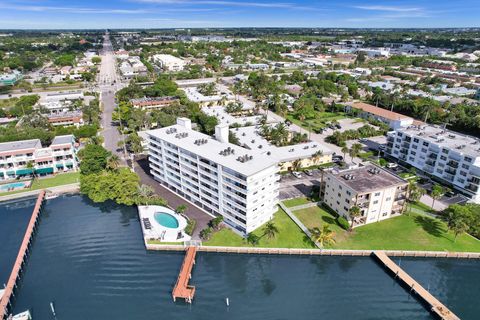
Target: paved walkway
305	206
297	222
202	218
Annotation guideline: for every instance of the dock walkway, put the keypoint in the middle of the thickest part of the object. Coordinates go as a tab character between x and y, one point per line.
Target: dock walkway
436	306
182	289
5	300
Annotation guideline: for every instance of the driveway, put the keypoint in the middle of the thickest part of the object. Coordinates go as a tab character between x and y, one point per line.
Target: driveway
292	187
143	171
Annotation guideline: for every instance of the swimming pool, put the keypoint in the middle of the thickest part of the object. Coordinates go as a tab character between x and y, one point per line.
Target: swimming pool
166	220
12	186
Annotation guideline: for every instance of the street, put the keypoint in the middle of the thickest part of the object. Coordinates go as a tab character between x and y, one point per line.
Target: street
109	82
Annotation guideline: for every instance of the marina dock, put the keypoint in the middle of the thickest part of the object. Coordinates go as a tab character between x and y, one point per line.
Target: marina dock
436	306
182	289
8	292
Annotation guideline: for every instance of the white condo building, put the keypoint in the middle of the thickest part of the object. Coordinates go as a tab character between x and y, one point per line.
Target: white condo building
169	62
220	177
447	156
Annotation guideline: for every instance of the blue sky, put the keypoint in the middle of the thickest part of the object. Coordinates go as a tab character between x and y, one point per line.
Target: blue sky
58	14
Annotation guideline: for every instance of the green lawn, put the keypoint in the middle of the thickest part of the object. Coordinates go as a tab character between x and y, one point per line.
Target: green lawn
406	232
318	122
42	183
412	232
289	236
296	202
316	217
164	243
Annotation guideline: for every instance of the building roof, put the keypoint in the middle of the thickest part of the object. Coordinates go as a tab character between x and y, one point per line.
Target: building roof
368	178
461	143
386	114
20	145
66	139
212	148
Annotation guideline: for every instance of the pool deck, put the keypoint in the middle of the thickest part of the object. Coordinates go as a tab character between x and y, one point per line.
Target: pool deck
152	230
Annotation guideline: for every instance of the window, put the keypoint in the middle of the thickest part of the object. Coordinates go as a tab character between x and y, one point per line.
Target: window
463	173
414	147
439	171
340	187
443	158
468	159
388	199
445	151
415	140
465	166
375	202
411	159
377	194
425	144
413	153
349	193
461	180
384	214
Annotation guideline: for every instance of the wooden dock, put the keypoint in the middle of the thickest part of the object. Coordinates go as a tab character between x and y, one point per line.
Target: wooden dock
436	306
182	289
5	300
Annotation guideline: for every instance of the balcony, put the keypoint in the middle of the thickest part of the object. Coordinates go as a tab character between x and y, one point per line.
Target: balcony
474	180
433	155
451	171
452	164
472	187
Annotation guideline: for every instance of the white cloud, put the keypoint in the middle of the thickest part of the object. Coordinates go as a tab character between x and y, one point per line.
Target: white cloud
389	8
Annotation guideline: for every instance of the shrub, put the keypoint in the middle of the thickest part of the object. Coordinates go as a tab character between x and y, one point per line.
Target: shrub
191	224
342	222
206	233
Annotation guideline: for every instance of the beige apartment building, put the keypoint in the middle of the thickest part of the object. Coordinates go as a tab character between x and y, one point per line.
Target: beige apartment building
378	193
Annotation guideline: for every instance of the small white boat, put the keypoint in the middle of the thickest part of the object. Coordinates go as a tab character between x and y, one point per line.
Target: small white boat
25	315
53	309
51	196
227	301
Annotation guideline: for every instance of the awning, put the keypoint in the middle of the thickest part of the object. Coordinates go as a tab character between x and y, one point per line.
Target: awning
22	172
44	170
59	165
69	164
10	173
1	174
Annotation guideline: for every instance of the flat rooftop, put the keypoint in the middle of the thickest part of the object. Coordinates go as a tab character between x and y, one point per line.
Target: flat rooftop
365	180
20	145
185	139
66	139
452	140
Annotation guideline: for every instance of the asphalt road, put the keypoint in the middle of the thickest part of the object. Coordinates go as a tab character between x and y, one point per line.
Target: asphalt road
109	82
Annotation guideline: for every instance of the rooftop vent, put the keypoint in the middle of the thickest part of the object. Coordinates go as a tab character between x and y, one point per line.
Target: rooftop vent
451	136
199	142
227	152
181	135
348	177
244	158
306	147
171	130
374	170
461	147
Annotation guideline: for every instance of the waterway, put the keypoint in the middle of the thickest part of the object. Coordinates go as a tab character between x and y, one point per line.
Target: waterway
90	261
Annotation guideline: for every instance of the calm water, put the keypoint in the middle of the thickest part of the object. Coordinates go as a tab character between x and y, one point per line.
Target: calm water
90	260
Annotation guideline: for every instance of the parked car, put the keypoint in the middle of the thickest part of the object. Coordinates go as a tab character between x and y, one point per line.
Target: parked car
296	174
337	158
338	126
308	172
449	194
392	165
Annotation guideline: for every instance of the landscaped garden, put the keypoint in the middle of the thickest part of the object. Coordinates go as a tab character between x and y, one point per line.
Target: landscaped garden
289	235
296	202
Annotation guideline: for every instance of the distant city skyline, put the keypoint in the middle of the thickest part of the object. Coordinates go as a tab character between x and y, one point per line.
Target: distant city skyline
78	14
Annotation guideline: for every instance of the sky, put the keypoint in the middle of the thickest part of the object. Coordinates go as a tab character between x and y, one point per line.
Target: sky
96	14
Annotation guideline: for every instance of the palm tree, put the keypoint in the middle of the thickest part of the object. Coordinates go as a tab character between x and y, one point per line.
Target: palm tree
414	192
437	192
31	166
270	230
253	239
345	151
355	150
296	165
354	212
181	209
323	236
146	192
317	156
113	162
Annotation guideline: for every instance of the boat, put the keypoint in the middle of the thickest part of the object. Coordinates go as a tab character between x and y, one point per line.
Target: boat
51	196
25	315
53	309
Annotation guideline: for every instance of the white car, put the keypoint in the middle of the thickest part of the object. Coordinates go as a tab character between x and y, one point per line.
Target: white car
296	174
392	165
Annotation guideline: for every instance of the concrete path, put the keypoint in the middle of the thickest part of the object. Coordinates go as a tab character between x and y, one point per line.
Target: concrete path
438	206
305	206
297	222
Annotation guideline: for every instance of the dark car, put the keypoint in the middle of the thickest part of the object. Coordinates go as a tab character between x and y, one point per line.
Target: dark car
337	158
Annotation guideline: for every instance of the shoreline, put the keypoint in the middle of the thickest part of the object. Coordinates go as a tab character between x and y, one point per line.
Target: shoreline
311	252
72	188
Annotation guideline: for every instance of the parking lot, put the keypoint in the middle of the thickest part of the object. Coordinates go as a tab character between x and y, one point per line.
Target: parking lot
293	187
